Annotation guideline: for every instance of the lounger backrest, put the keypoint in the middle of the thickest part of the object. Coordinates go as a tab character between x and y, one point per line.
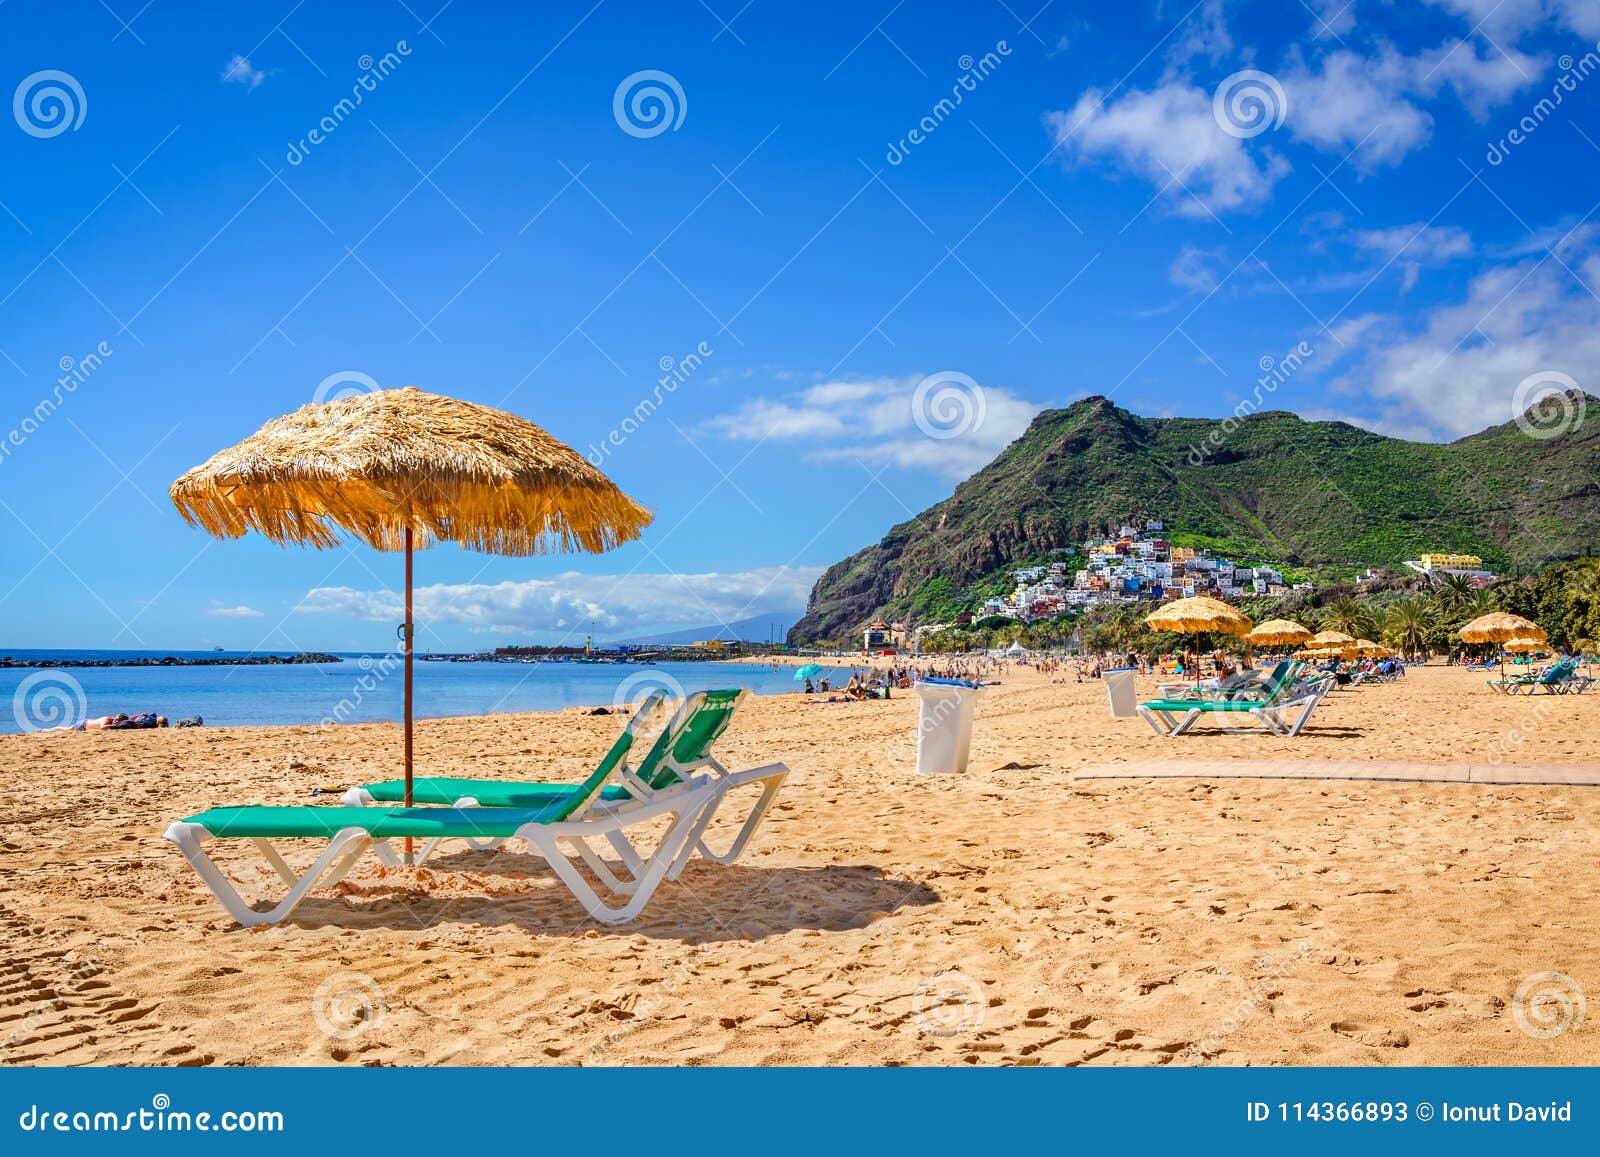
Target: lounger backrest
588	791
686	742
1279	678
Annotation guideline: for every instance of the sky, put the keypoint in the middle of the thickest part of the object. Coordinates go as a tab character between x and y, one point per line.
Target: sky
786	280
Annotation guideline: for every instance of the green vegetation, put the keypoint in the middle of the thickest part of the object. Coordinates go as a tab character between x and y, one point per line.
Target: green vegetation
1324	500
1405	613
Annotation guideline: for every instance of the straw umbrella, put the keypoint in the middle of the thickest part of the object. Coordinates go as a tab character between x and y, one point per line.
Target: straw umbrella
1278	633
1500	627
1198	614
1329	640
399	470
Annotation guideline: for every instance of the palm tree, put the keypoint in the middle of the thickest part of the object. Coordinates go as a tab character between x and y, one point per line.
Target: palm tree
1455	590
1409	624
1583	582
1348	615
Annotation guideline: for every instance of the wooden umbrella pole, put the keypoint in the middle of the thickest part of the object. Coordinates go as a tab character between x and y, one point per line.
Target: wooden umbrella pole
405	642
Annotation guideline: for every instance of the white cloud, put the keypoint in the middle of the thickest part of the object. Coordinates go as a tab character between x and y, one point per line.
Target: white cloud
1418	241
572	605
1509	20
221	611
1412	247
1458	369
1367	101
1347	335
1195	269
239	70
1481	75
1351	100
1205	35
1408	431
1170	137
1332	18
875	420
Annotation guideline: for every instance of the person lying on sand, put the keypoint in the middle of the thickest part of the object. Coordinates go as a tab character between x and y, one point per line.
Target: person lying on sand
121	721
148	719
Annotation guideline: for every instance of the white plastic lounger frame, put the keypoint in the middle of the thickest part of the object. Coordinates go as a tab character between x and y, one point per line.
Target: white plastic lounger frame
770	777
345	848
1283	719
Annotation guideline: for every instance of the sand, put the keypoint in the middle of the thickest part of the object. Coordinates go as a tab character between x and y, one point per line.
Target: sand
1009	916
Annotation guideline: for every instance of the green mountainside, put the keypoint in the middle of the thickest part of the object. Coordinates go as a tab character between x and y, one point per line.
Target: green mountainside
1269	486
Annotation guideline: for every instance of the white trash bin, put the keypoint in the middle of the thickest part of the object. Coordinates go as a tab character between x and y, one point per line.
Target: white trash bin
944	725
1122	692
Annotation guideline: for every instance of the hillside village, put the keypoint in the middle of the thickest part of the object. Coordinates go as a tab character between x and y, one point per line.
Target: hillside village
1138	563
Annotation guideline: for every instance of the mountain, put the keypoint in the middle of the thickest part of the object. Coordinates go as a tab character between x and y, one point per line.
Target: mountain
756	629
1267	486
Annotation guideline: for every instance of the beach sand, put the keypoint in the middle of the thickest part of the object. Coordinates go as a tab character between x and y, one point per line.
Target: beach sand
1008	916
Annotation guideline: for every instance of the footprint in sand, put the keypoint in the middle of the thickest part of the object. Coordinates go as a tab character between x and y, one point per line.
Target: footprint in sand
1371	1035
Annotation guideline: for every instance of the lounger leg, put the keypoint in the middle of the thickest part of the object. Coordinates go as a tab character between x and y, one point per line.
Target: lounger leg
270	854
600	868
340	856
1149	717
546	842
626	852
1187	721
771	779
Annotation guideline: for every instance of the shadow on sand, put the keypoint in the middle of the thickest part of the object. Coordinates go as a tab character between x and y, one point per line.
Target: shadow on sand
709	903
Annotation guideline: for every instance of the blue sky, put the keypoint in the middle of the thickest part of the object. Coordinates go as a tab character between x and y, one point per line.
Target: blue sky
1144	200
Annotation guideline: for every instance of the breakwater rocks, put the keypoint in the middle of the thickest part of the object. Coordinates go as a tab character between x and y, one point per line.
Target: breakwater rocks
175	661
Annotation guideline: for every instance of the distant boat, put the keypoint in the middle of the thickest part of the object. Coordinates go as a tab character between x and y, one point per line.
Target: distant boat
216	648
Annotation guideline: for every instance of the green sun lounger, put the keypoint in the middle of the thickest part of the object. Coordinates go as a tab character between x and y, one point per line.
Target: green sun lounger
1560	678
1282	717
683	748
573	817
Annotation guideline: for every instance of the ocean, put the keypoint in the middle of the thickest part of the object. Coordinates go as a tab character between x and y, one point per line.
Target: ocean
362	688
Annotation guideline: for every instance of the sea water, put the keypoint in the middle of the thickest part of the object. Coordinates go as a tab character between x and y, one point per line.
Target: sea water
358	689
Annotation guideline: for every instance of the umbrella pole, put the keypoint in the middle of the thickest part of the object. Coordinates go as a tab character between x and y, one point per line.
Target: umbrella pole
405	642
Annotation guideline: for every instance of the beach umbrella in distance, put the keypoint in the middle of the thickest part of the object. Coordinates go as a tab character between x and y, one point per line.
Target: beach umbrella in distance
1278	633
809	671
400	470
1525	646
1500	627
1193	615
